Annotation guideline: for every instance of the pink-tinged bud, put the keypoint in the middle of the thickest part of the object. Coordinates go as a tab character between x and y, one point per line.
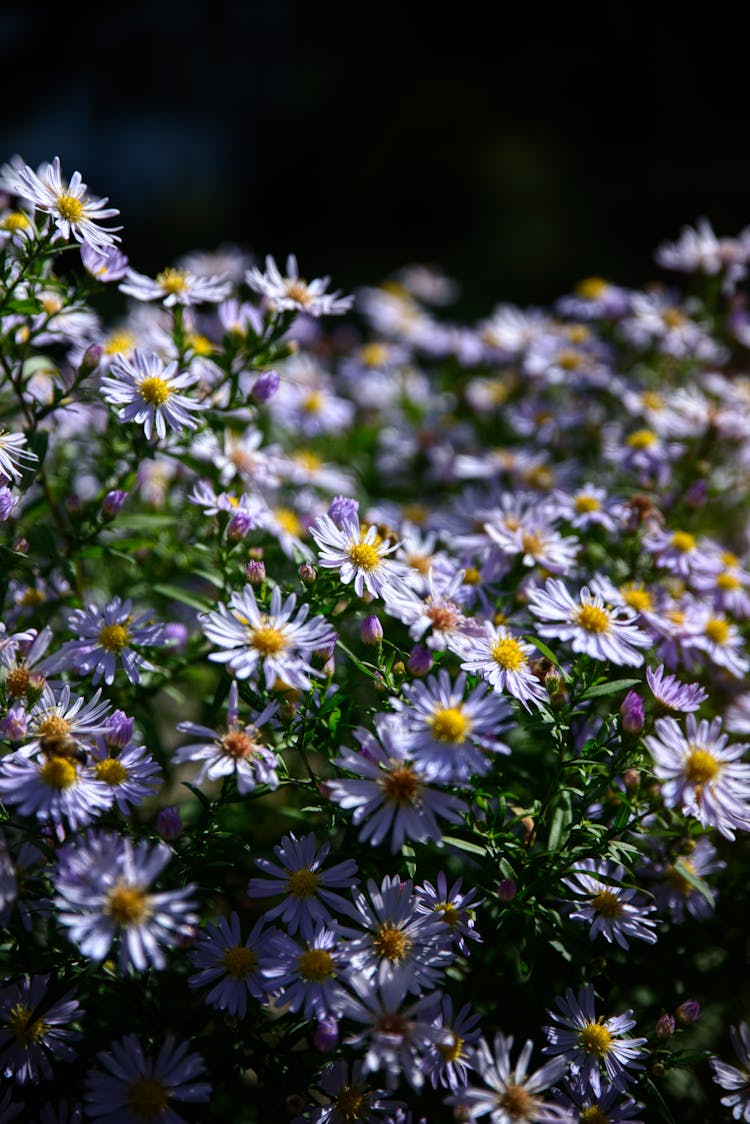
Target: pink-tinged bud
341	508
35	688
631	713
371	631
420	660
326	1035
506	890
14	725
265	386
308	574
119	731
169	823
92	357
688	1012
256	571
240	525
664	1027
631	778
7	502
113	502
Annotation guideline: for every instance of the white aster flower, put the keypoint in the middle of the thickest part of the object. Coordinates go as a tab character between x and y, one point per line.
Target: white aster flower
73	211
511	1095
609	907
176	286
588	624
502	659
292	293
737	1081
148	391
360	555
13	457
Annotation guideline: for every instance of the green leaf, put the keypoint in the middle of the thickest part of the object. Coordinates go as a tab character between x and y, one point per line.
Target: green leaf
559	947
464	845
183	596
561	819
685	871
600	690
24	306
145	521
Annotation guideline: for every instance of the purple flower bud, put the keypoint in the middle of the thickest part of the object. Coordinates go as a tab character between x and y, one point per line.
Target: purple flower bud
307	573
21	545
176	635
113	502
256	571
326	1035
265	386
695	495
169	823
631	713
664	1027
13	726
341	508
688	1012
420	660
119	730
371	631
240	525
7	502
92	357
506	890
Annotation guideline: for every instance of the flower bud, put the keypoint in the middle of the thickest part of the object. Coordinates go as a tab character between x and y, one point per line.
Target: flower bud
92	357
308	574
506	890
265	386
7	502
326	1035
256	571
13	726
631	778
664	1027
695	495
341	508
169	823
688	1012
21	545
240	525
119	730
113	502
420	660
176	635
631	713
371	631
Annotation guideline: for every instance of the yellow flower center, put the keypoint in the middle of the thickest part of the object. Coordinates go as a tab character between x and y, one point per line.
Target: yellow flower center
400	785
17	682
69	208
584	503
532	542
365	556
118	343
110	771
450	725
267	640
683	541
472	576
568	360
114	637
374	354
16	220
593	619
311	461
315	965
201	345
673	318
678	880
701	766
607	903
594	1115
313	402
58	773
350	1103
449	912
508	653
154	390
392	944
53	725
729	559
652	401
641	439
516	1101
20	1026
451	1052
302	883
637	598
147	1097
728	580
717	630
172	280
595	1039
591	288
288	521
240	962
126	905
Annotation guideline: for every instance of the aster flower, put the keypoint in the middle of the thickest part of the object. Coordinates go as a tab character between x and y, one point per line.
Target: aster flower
13	457
233	969
736	1081
609	907
308	888
74	213
103	892
454	908
586	1041
149	393
452	1057
348	1098
34	1031
108	263
132	775
701	775
131	1087
252	639
293	294
104	635
176	286
308	976
59	712
674	894
438	611
360	555
452	735
502	659
52	788
669	692
588	624
388	793
710	633
240	751
510	1094
578	1098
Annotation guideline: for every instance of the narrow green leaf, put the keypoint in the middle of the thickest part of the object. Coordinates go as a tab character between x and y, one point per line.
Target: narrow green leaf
684	871
600	690
183	596
463	845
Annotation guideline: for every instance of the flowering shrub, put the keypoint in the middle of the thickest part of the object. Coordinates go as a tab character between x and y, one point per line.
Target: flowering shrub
371	697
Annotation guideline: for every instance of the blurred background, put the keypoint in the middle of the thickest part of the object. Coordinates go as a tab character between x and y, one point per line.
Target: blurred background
519	159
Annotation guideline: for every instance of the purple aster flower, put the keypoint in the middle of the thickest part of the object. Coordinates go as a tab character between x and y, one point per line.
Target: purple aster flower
132	775
308	889
510	1096
251	639
291	293
132	1086
673	893
586	1042
588	624
103	885
232	968
105	263
452	1057
389	793
502	659
453	907
34	1030
360	555
736	1081
607	906
104	636
308	976
349	1097
149	392
52	787
606	1107
7	502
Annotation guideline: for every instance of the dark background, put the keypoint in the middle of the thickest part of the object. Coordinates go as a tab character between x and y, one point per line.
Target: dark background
520	155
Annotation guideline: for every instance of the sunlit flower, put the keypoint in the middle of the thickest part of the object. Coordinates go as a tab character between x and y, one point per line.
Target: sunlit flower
359	554
291	293
14	458
74	213
106	636
502	659
588	624
149	393
176	286
511	1095
587	1042
671	693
